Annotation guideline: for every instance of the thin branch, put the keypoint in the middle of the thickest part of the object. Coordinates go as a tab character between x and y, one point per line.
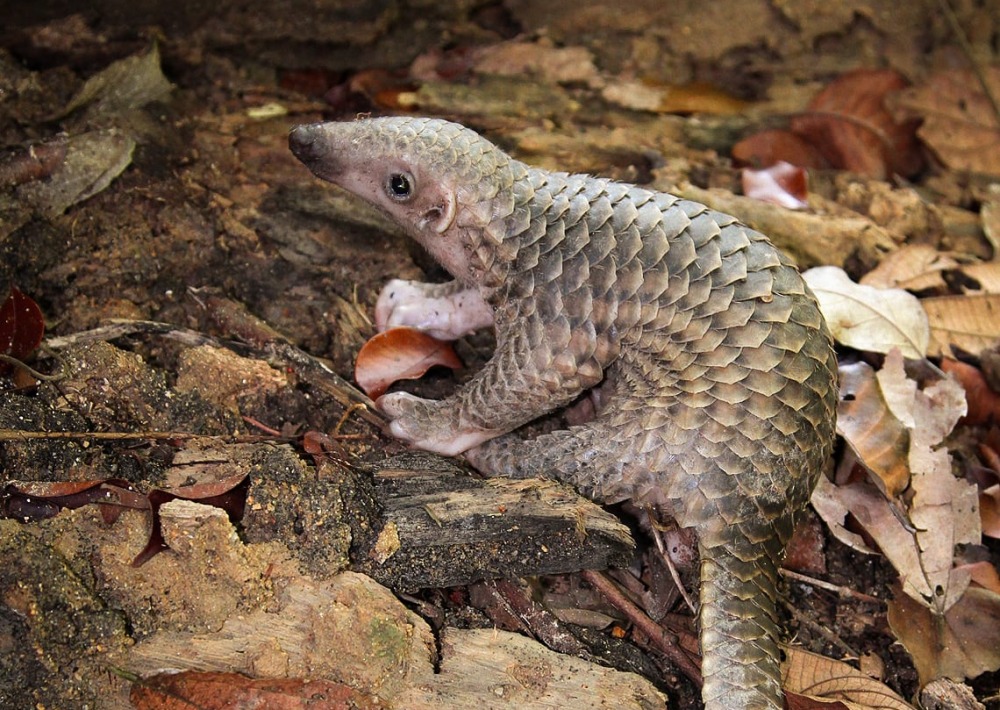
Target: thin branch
662	639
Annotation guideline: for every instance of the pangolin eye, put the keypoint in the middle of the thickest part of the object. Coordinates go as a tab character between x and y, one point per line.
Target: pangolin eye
400	186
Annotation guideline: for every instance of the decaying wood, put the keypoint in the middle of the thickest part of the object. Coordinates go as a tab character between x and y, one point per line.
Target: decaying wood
442	529
496	669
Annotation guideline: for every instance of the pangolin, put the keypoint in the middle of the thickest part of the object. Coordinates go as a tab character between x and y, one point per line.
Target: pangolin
718	369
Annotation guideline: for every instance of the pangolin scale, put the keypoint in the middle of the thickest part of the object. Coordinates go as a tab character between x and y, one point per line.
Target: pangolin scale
719	395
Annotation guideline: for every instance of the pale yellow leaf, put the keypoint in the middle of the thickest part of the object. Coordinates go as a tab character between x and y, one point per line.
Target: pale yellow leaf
868	318
826	679
970	322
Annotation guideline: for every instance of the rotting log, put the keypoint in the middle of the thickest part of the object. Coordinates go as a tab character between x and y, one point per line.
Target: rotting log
441	529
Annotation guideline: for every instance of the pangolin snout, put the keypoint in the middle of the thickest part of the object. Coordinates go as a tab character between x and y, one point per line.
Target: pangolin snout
305	143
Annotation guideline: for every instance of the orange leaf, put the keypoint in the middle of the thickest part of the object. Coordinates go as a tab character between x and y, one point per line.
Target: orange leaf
849	123
214	691
772	146
399	354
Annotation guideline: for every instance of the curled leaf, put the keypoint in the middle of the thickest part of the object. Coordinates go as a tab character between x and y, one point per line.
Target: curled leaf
126	84
865	420
21	326
915	267
399	354
229	494
32	501
782	184
868	318
983	402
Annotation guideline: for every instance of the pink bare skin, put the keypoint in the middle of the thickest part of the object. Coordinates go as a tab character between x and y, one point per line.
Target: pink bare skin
444	311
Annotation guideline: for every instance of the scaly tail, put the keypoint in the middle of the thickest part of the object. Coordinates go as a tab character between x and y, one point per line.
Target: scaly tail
739	629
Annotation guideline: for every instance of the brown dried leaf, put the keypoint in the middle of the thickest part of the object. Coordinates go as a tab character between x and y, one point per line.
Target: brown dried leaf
849	123
914	267
989	509
823	678
774	146
229	494
879	439
961	644
959	122
30	501
982	402
985	575
970	322
215	691
867	318
943	508
399	354
21	326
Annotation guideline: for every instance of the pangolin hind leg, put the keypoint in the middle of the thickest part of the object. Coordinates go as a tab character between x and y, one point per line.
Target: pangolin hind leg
632	451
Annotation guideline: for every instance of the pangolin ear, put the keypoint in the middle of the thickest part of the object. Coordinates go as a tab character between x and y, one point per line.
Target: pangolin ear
441	215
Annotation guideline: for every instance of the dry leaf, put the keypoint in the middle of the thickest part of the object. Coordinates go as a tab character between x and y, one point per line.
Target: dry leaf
878	438
867	318
962	644
866	504
21	326
943	509
214	691
399	354
959	122
126	84
766	148
826	679
985	575
989	507
782	184
850	125
915	267
665	98
983	403
986	275
970	322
